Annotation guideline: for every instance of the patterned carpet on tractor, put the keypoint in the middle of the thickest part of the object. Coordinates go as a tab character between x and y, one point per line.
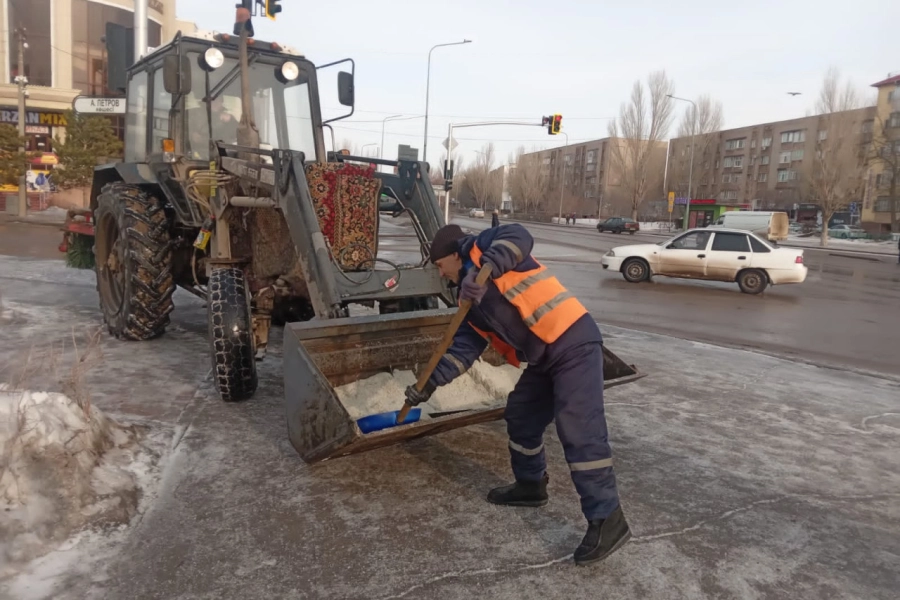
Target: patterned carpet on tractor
346	201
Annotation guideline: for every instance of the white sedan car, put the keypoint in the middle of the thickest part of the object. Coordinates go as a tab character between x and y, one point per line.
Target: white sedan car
711	254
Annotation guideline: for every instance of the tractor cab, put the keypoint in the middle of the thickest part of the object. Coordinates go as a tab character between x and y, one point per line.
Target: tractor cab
187	95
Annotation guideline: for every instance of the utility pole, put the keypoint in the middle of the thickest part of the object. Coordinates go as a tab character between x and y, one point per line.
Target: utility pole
22	81
562	185
140	29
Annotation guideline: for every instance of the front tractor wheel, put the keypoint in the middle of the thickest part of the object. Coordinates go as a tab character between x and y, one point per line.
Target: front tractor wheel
133	262
231	335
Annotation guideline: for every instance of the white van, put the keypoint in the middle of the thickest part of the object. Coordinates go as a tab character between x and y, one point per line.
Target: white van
772	226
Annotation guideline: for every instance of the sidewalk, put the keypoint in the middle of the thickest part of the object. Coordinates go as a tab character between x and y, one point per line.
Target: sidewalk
756	478
53	215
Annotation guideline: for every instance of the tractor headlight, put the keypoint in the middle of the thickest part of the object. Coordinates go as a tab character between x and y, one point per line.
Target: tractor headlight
290	71
213	58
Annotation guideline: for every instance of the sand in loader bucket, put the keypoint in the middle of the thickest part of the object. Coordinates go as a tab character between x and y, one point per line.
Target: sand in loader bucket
483	386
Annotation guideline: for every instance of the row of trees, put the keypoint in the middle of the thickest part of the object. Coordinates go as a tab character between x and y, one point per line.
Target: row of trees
636	155
839	174
88	140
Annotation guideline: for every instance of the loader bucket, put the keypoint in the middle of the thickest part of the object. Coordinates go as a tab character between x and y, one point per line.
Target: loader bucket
320	355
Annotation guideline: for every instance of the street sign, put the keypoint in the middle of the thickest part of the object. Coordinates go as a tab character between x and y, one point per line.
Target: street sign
455	144
854	208
405	152
671	201
94	105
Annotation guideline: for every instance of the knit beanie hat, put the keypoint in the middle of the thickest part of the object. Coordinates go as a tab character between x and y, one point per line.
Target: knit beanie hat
446	241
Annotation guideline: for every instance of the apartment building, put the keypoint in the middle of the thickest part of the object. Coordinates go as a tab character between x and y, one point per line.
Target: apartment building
762	167
885	139
589	181
66	56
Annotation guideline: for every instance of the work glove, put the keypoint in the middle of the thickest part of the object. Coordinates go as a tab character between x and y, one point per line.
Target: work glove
414	397
470	290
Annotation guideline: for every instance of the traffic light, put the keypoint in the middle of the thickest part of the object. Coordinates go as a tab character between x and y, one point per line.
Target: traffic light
272	8
555	124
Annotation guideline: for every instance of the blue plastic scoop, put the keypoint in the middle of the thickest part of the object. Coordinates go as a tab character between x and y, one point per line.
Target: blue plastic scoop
385	420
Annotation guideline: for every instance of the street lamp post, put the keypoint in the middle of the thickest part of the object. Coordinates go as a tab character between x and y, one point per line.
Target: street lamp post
428	93
562	186
687	206
383	122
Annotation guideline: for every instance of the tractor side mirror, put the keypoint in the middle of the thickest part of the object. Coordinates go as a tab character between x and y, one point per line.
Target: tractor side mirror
177	74
346	95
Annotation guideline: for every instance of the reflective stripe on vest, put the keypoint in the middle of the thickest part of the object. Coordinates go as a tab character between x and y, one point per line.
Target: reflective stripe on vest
546	307
502	348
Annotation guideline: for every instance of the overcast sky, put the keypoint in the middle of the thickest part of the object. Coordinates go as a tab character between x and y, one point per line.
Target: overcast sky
578	58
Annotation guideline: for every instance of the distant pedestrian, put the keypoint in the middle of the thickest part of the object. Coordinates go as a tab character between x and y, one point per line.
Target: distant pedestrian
898	250
495	219
567	218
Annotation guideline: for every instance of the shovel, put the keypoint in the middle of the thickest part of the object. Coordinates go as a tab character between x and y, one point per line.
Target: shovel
457	320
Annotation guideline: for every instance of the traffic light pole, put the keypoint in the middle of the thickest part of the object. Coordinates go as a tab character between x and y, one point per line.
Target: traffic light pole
450	128
562	185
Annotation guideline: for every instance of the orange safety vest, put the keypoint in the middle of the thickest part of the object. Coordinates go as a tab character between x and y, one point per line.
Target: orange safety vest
504	349
547	308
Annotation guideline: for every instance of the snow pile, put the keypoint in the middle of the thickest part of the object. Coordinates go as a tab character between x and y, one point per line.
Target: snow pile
63	466
482	386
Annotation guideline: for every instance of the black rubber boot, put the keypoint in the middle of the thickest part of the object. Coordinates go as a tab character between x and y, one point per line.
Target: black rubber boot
603	537
521	493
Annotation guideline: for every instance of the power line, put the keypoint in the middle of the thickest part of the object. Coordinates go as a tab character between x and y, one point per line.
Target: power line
438	137
511	117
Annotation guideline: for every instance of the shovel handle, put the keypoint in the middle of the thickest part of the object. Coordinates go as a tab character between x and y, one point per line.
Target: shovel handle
483	275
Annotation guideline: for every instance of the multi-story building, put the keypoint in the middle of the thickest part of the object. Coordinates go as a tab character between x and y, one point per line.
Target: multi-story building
884	138
588	180
763	167
66	56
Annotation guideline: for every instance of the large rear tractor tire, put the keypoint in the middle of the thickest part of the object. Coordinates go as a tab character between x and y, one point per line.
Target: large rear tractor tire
133	262
231	335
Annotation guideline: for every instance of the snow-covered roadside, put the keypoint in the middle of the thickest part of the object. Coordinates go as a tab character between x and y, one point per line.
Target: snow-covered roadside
646	226
72	479
64	465
835	244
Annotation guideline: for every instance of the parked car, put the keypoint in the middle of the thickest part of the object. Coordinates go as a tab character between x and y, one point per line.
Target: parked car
772	226
711	254
476	213
844	232
618	225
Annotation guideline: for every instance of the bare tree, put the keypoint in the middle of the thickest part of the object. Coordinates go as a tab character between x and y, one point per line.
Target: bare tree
840	163
528	181
479	178
705	125
884	150
643	123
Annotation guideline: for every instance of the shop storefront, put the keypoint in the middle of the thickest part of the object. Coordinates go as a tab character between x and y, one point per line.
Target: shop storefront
705	211
41	127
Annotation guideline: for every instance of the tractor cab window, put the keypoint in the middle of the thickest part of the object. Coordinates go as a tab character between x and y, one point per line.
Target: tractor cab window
282	112
136	119
162	104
